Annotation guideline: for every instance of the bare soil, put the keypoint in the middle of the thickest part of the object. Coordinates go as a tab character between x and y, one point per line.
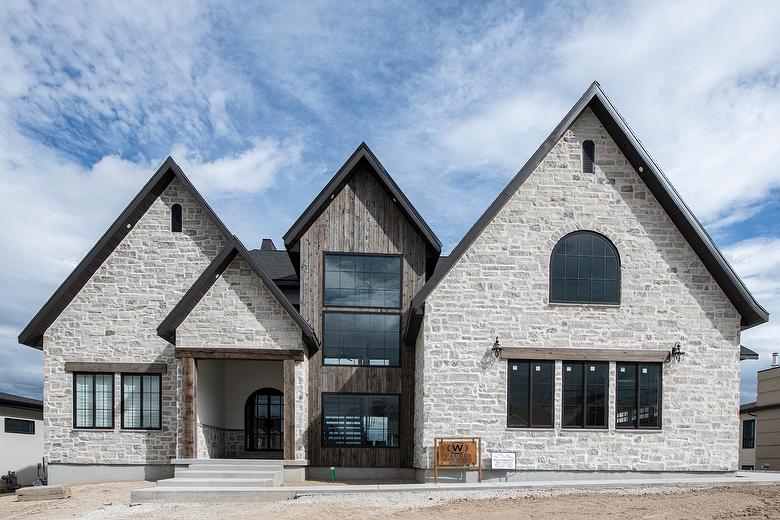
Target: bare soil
690	502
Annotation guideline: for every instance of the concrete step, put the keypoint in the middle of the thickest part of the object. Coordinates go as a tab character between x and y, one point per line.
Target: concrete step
207	494
232	462
217	482
275	476
233	467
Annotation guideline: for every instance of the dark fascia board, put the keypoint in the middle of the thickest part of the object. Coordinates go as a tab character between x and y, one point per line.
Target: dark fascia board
167	328
751	408
321	201
17	401
32	335
746	353
751	312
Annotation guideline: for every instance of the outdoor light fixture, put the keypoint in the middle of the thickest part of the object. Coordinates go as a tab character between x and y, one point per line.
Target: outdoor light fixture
677	351
497	348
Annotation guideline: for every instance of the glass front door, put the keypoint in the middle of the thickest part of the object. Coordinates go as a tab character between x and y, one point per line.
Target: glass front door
264	422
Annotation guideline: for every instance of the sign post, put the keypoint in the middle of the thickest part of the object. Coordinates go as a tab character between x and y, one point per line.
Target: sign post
457	453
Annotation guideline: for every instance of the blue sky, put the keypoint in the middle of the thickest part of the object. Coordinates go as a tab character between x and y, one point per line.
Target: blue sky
261	102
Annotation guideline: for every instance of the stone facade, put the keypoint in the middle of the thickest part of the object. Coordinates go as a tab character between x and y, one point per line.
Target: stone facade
114	319
499	287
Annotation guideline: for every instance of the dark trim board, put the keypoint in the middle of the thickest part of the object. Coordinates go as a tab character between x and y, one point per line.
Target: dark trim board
19	402
746	353
167	328
586	354
239	353
130	368
32	335
750	310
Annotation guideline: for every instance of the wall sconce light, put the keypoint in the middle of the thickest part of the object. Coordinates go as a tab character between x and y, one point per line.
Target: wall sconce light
677	351
497	348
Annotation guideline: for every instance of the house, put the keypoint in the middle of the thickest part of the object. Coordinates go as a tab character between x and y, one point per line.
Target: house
760	422
21	437
548	331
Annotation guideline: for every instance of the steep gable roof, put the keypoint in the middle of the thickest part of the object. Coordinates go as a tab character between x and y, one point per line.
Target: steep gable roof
344	174
167	328
750	310
32	335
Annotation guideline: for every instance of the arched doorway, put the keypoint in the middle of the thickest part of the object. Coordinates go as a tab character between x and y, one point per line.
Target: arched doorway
264	420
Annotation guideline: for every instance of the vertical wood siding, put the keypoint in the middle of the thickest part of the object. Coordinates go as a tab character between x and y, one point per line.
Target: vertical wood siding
362	218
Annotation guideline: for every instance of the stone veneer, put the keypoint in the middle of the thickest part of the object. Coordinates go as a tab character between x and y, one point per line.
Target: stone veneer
114	318
240	311
500	288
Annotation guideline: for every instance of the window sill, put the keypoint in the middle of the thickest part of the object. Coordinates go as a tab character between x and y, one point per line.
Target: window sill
629	430
585	430
541	429
594	305
112	429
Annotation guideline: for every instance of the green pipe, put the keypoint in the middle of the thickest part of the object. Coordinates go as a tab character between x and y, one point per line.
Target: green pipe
333	474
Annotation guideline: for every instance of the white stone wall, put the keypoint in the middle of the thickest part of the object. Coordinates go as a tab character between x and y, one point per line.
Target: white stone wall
114	318
500	288
240	311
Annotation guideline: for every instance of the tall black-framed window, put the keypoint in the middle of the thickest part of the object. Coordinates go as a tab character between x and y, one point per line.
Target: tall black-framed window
585	268
141	401
93	400
264	420
749	434
638	400
362	280
24	426
176	218
588	156
361	339
360	420
531	400
585	394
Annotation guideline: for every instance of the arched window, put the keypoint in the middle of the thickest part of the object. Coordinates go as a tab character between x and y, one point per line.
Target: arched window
264	420
176	218
584	268
588	156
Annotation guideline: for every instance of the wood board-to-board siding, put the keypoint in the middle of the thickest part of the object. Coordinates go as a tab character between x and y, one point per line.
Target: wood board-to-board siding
362	218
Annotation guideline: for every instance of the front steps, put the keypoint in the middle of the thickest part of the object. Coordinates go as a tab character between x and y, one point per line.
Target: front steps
218	480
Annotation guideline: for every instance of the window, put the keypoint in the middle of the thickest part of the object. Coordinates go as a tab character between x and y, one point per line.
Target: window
749	434
362	280
176	219
584	268
141	401
361	339
530	403
93	400
747	467
264	420
366	420
638	403
585	391
19	426
588	156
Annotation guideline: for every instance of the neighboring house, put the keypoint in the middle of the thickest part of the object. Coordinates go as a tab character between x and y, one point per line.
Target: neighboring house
358	344
21	437
760	422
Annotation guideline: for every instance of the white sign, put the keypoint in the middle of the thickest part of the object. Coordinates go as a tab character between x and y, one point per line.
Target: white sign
501	460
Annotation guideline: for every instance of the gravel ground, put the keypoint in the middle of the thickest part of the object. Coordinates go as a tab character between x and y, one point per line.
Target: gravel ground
691	502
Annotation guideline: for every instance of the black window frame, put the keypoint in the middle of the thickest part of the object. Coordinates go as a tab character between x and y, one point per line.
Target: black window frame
509	370
94	401
584	404
141	409
21	431
177	218
588	156
637	391
551	279
363	445
326	305
343	311
752	437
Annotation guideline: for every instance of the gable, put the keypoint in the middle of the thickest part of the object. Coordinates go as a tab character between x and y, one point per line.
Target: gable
594	99
169	171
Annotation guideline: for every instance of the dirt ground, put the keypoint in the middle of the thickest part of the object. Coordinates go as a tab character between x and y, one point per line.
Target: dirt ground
111	501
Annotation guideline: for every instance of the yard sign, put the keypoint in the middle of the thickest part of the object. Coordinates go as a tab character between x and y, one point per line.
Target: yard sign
455	453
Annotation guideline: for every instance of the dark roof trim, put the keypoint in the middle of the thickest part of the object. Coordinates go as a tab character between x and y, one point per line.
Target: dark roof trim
17	401
751	312
167	329
751	408
32	335
321	201
746	353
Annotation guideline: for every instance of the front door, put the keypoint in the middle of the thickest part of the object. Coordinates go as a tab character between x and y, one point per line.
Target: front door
264	420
